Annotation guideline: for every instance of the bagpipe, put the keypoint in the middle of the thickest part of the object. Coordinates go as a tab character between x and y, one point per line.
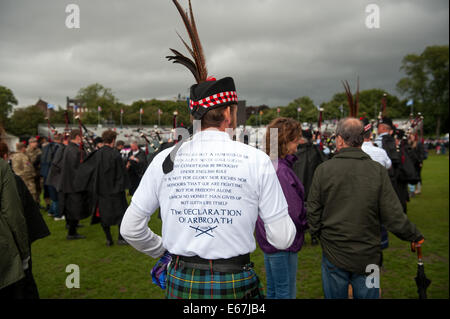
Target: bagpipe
318	133
383	108
87	137
51	129
66	129
149	142
415	126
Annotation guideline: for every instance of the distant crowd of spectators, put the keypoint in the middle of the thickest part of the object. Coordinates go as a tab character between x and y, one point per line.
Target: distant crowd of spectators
440	145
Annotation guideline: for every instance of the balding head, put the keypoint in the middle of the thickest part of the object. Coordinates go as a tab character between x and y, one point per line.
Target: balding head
351	131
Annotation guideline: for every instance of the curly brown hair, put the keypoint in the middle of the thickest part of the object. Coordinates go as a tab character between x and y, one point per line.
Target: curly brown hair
289	130
109	136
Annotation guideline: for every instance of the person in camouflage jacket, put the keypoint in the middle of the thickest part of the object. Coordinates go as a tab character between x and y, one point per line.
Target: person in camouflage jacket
34	153
23	167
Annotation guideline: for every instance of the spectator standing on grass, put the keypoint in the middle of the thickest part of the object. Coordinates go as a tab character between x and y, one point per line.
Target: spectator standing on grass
350	197
15	249
281	265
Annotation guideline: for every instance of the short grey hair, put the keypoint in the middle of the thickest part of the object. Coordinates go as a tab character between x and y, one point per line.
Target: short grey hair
351	130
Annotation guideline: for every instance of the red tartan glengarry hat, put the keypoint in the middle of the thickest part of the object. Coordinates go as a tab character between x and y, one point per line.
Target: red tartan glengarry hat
366	123
208	93
211	94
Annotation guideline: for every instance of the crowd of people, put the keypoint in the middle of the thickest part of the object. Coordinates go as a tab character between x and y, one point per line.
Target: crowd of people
311	188
216	194
74	185
348	200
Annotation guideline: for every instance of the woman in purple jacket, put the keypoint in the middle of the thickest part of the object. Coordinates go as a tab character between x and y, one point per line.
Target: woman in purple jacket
281	265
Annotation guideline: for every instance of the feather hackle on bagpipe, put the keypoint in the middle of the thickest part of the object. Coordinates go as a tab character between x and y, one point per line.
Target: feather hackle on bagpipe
352	103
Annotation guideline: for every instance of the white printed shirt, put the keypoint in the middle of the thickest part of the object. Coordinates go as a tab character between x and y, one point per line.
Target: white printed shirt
377	154
210	202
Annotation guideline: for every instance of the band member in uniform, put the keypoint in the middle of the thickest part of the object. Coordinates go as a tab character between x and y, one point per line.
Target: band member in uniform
73	201
137	163
225	186
48	154
54	176
379	155
309	157
98	143
376	153
104	174
386	141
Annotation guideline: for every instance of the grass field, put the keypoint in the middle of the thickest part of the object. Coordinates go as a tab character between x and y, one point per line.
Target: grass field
122	272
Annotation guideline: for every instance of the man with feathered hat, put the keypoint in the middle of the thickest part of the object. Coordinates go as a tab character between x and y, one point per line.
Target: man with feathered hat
210	190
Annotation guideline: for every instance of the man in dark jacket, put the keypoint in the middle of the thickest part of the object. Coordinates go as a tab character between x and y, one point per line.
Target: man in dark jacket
350	197
104	174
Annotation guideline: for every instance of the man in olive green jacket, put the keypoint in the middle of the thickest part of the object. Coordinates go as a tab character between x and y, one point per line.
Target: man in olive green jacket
14	246
350	197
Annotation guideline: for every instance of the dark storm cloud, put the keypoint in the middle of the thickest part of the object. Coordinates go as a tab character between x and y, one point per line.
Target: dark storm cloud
276	50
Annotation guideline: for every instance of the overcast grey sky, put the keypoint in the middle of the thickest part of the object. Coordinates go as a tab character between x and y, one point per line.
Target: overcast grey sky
276	50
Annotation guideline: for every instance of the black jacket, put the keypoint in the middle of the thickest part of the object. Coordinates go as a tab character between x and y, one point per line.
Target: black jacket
72	200
37	228
136	169
309	157
104	175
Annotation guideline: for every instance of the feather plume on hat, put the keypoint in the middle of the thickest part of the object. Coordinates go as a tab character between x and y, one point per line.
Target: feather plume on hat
353	104
198	65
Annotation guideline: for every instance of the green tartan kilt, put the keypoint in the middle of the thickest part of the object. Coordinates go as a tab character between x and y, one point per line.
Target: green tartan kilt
189	283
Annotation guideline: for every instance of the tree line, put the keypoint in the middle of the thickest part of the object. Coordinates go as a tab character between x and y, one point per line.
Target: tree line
426	85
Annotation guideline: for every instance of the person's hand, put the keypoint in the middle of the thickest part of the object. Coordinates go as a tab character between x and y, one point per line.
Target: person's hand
134	158
159	271
25	263
417	243
420	242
